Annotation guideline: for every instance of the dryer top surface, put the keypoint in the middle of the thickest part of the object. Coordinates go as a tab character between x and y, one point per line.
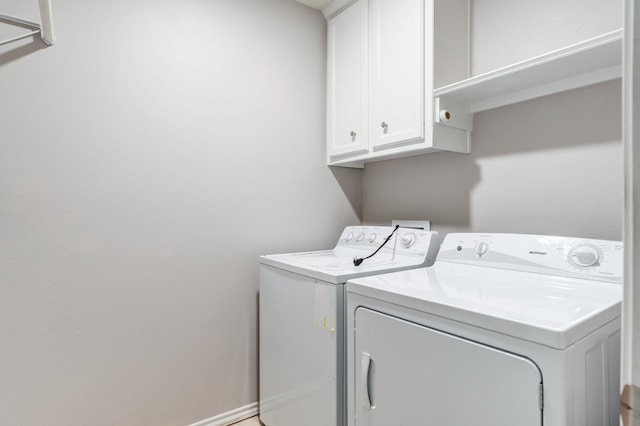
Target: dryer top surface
551	310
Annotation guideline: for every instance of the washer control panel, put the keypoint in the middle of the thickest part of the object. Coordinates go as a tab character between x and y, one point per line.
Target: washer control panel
564	256
404	240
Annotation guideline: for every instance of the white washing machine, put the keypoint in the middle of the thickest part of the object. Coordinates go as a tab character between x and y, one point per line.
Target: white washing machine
302	330
502	330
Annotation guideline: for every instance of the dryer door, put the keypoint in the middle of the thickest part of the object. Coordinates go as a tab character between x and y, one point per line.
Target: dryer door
411	375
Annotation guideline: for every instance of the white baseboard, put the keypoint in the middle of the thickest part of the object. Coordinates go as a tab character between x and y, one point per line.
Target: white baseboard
230	417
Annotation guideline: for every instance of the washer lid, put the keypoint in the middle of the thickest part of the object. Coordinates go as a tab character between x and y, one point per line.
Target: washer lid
336	266
404	248
549	310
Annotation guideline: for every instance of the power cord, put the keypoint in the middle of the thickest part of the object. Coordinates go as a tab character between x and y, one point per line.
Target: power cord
358	260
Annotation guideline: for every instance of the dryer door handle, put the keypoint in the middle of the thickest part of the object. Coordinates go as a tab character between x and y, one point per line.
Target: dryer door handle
365	376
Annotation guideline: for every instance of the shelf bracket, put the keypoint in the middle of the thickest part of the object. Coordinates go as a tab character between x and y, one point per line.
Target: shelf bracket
45	31
453	114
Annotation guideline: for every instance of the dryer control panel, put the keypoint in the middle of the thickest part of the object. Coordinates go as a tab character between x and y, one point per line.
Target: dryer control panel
563	256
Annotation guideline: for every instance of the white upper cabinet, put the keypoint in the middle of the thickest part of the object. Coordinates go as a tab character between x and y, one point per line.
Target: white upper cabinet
398	74
399	79
380	82
347	89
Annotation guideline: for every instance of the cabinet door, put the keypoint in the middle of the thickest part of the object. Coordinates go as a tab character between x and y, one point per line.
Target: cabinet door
347	91
397	72
408	374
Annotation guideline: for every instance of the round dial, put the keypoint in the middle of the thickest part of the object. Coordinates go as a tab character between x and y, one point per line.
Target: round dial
350	236
481	248
584	256
360	237
372	237
407	240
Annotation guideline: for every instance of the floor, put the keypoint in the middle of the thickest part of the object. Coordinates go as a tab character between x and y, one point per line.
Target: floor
253	421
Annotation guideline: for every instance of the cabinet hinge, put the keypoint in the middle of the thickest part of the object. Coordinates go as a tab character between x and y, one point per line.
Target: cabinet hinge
541	396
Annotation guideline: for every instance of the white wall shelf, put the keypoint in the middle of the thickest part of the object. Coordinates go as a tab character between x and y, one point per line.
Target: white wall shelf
592	61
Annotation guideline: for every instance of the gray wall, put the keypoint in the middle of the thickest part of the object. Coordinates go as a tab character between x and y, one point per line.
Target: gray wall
146	160
550	166
508	31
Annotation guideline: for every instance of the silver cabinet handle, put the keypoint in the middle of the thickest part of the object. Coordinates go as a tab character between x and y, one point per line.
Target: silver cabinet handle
365	372
384	125
353	134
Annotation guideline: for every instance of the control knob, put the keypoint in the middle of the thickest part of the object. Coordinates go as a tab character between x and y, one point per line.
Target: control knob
407	240
372	237
481	248
349	237
360	237
584	256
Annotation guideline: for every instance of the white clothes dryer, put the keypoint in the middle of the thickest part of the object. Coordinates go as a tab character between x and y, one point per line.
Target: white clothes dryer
302	329
502	330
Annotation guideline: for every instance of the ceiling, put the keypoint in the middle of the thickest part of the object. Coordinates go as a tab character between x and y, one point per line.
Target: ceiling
316	4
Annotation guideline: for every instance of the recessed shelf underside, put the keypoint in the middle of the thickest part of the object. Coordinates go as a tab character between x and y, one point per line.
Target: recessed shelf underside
588	62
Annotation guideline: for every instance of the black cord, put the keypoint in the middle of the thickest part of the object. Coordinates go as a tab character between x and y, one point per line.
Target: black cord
358	260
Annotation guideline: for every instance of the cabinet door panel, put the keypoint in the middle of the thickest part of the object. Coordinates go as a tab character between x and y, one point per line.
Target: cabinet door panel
397	72
408	374
347	83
